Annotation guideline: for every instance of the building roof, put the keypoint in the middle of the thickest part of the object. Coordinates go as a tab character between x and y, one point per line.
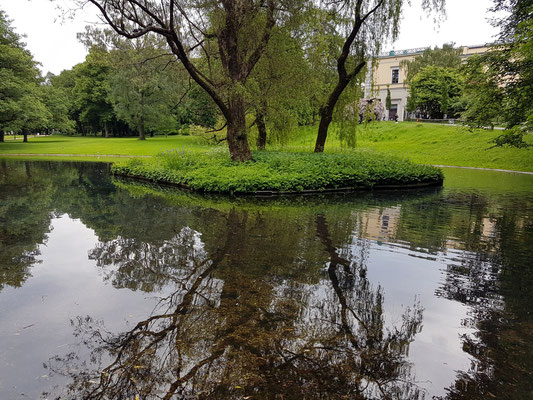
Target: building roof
396	53
418	50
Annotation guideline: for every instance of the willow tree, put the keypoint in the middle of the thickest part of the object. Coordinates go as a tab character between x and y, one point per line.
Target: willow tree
218	42
365	25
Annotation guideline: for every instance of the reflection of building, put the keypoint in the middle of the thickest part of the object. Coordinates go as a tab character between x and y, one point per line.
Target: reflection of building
389	72
380	224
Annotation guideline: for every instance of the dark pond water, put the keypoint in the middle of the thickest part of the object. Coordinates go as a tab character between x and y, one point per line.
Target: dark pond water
114	290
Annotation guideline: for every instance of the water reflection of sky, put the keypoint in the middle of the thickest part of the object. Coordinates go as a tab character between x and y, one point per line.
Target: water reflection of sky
35	317
437	350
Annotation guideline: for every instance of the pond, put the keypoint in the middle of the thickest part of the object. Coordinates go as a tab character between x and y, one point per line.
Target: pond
115	290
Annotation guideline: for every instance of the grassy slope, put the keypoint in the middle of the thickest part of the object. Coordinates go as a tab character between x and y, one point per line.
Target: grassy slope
433	144
422	143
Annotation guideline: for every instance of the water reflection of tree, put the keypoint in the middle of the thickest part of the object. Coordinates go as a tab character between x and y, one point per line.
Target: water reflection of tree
227	331
32	194
493	276
25	216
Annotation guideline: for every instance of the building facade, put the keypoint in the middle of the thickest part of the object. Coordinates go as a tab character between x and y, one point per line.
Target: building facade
388	72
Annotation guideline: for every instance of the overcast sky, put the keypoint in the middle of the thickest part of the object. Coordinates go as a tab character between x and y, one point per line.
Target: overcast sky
52	39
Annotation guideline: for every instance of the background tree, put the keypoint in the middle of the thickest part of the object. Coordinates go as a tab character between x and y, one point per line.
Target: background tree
482	96
19	80
447	57
500	82
64	84
435	91
56	102
144	86
34	115
511	62
91	93
279	94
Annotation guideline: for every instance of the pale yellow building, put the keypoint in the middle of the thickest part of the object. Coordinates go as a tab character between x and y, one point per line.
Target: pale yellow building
389	72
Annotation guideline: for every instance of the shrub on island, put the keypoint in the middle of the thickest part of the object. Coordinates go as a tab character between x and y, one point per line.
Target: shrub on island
279	172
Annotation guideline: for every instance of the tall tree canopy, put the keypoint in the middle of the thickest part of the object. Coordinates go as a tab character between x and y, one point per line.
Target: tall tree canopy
19	80
511	61
499	83
447	57
231	37
434	91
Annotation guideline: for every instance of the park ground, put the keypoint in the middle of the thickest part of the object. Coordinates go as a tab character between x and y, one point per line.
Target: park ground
420	143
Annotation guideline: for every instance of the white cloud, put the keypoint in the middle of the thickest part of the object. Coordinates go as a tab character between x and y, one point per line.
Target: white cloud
50	37
52	40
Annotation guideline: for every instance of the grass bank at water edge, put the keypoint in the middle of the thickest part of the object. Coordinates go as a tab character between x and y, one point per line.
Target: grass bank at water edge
213	171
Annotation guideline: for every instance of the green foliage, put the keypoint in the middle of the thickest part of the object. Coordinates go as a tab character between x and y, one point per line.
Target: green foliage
388	100
499	83
142	90
196	108
91	93
21	108
482	96
434	91
513	137
277	171
446	57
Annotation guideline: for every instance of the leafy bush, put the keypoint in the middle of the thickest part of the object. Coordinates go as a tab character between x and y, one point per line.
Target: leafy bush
277	171
513	137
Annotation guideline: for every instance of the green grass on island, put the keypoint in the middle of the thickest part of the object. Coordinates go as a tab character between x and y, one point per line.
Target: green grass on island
213	171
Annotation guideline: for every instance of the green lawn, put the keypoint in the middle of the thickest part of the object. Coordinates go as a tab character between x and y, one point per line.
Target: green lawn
431	144
421	143
57	144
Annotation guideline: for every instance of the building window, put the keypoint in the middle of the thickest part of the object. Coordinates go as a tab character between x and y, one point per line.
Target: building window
395	75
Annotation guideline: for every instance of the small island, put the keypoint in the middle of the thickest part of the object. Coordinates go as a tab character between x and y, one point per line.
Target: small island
277	172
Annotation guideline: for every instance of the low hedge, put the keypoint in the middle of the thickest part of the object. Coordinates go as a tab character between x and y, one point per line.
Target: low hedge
214	171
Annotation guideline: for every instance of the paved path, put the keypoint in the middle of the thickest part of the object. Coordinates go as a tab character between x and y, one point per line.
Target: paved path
486	169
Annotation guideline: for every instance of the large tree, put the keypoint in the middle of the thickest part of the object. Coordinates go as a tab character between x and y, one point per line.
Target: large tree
91	94
511	61
499	83
364	25
447	57
230	35
434	91
19	80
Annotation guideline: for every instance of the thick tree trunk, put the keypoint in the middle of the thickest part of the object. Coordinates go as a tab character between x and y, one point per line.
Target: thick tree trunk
25	140
106	130
2	136
142	136
261	128
326	114
239	148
